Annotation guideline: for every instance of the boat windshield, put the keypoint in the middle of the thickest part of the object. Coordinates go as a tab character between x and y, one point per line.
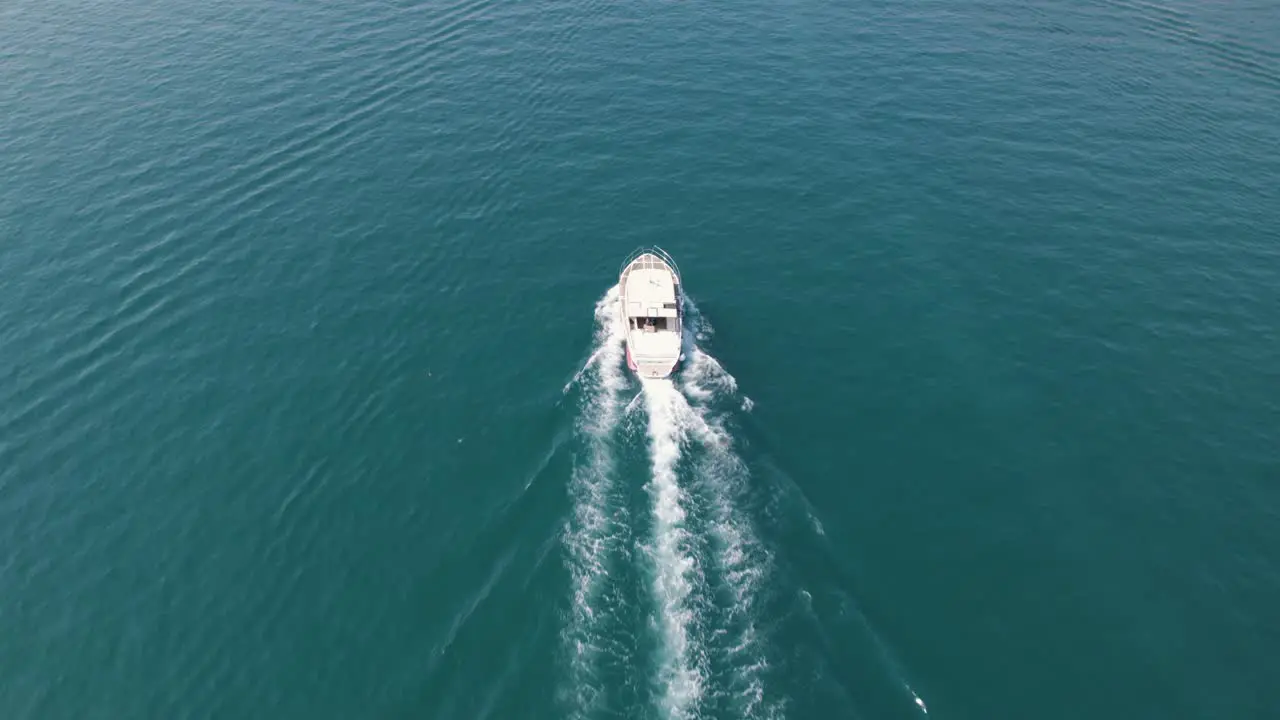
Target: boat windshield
651	324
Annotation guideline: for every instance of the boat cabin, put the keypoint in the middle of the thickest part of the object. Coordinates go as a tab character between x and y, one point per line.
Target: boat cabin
650	287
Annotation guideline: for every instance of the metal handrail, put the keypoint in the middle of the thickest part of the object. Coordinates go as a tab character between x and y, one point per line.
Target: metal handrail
650	250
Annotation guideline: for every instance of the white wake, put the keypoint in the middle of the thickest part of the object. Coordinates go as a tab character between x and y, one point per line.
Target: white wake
702	546
741	559
738	559
597	524
676	573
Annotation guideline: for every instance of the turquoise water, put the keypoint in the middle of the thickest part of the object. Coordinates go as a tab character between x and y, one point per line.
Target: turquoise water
310	405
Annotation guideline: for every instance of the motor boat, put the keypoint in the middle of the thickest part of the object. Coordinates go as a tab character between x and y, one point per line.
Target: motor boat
652	308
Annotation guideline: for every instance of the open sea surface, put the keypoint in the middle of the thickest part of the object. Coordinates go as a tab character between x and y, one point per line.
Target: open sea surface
312	402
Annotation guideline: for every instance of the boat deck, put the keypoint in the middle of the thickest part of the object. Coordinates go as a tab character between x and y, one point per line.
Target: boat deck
649	293
650	307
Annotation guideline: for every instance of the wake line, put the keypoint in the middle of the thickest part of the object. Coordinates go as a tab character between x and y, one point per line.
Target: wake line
597	524
675	570
738	561
741	558
709	653
745	560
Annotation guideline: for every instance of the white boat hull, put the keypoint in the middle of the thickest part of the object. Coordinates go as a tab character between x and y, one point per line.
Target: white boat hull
652	308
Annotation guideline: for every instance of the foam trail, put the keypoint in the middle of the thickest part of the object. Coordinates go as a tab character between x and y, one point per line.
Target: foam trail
675	571
919	702
597	523
741	558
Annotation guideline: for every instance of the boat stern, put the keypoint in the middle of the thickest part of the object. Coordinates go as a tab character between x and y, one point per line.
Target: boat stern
653	368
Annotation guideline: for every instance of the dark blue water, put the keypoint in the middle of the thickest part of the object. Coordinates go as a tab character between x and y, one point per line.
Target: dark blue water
311	405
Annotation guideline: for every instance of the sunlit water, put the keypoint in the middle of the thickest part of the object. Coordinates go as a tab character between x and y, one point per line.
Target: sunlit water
305	411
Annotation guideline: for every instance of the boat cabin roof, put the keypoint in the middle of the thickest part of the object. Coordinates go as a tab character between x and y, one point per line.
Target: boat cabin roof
650	292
